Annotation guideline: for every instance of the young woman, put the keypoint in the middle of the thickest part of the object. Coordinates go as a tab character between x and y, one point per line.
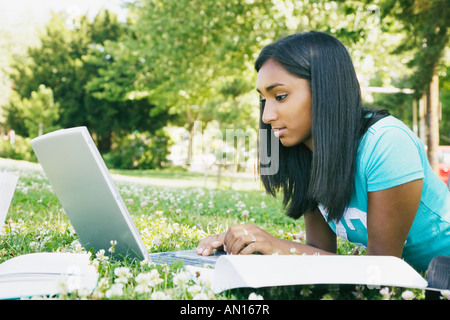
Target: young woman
357	173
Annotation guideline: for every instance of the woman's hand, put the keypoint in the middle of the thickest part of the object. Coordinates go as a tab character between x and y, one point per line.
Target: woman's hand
240	239
207	245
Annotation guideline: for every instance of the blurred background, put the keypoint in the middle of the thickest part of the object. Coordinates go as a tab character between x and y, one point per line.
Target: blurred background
159	82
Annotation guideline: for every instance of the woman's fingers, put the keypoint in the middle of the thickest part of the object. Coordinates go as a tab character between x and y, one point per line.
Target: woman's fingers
210	243
240	237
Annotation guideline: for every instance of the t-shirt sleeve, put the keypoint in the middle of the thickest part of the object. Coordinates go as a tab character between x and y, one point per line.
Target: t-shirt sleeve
393	159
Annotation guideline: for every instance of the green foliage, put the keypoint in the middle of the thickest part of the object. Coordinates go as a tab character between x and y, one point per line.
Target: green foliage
177	62
39	112
427	26
67	58
177	53
56	64
139	150
20	149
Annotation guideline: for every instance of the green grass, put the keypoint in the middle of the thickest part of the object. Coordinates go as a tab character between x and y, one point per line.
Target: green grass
168	218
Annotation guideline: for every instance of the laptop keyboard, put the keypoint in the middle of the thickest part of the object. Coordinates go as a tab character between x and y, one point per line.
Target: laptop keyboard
189	257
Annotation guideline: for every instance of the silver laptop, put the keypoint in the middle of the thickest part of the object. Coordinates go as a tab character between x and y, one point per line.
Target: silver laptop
91	200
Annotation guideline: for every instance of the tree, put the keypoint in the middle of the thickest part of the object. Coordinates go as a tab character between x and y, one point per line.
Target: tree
178	52
56	64
40	112
427	26
68	57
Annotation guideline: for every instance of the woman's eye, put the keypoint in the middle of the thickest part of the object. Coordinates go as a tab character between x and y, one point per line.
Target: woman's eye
281	97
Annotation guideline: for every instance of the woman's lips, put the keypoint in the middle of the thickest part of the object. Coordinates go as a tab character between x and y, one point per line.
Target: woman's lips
278	132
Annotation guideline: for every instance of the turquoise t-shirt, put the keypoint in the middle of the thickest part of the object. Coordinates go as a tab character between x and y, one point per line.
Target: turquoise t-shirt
390	154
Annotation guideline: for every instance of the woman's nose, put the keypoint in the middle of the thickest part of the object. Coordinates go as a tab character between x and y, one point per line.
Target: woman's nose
269	114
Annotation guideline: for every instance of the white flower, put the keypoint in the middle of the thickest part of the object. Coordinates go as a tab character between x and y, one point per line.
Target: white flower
445	294
201	296
181	278
143	288
205	281
385	293
122	274
254	296
156	241
408	295
159	295
101	255
103	283
293	250
83	293
77	247
95	263
155	279
116	290
113	244
34	245
194	289
147	262
147	280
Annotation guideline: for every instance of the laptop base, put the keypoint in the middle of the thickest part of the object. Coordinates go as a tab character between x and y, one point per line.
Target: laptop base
189	257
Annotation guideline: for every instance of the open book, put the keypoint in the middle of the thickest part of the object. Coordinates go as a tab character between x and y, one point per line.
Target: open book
37	274
255	271
46	273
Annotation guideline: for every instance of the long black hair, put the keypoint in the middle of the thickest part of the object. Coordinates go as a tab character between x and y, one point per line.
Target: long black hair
325	175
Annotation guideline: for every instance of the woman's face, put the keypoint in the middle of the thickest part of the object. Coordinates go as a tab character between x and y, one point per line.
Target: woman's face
288	106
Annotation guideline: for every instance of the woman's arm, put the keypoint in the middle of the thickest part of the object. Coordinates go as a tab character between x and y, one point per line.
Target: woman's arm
390	214
247	239
318	232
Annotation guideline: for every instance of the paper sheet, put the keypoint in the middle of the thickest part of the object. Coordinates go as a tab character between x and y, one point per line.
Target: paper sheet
46	273
256	271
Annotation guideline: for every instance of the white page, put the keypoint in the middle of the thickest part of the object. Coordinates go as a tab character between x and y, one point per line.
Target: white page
254	271
43	273
8	183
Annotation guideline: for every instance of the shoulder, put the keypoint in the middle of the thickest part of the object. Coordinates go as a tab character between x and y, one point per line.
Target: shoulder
388	125
390	132
390	154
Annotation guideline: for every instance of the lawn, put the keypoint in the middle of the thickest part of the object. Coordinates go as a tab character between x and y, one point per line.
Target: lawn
168	217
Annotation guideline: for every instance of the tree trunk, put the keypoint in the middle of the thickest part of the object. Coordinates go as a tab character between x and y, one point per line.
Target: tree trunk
104	142
41	129
422	119
433	122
